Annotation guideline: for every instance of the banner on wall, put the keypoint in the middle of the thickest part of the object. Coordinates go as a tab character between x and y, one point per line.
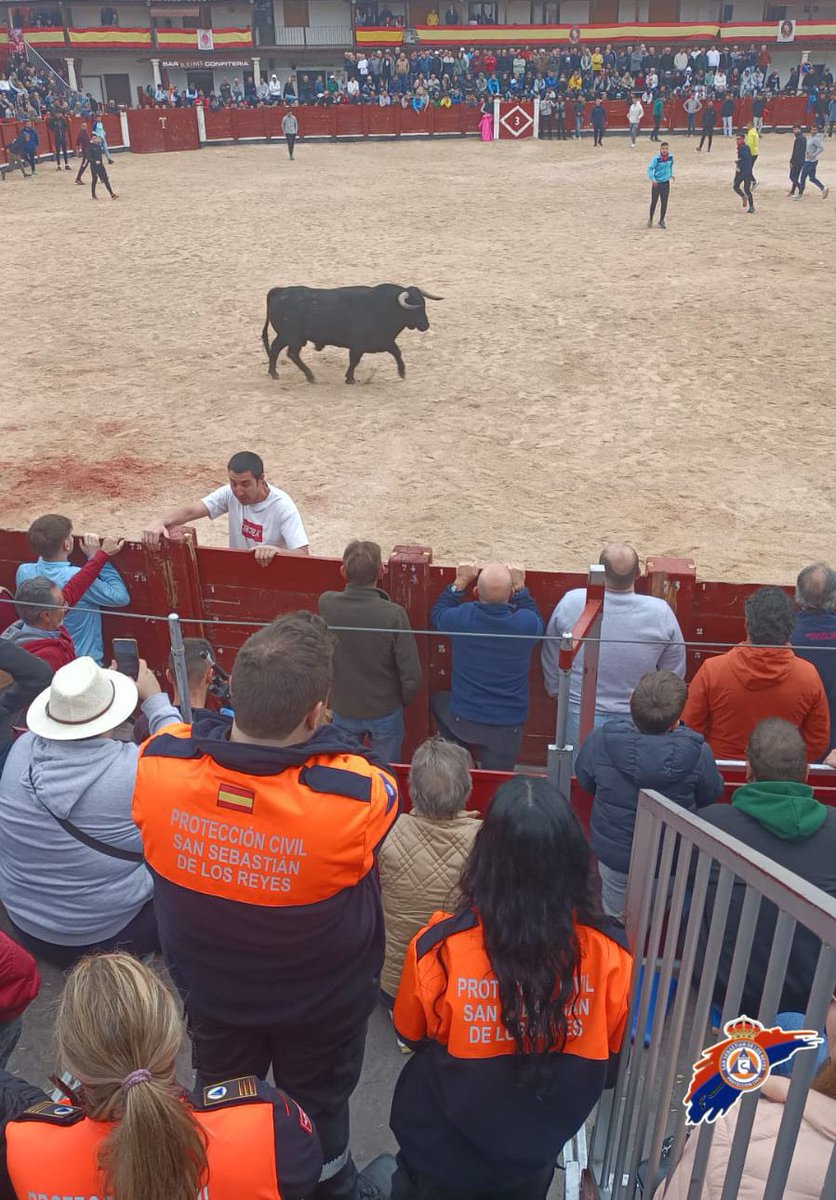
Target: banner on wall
205	39
786	31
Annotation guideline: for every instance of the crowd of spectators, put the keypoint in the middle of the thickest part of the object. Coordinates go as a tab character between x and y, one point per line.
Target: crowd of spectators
29	92
278	955
443	77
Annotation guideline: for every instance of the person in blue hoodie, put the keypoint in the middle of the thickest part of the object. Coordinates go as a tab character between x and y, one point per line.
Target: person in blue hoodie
648	750
487	704
30	143
660	173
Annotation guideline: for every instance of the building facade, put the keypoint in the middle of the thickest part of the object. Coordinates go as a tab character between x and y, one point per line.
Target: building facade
116	48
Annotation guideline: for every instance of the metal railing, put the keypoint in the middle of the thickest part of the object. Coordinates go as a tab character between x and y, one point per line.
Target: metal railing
680	890
314	35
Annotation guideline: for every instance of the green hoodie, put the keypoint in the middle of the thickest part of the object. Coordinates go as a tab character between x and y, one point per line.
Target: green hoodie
788	810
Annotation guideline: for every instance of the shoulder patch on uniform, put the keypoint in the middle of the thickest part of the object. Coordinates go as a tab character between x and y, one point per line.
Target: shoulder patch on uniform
166	745
337	781
243	1088
458	923
55	1114
391	791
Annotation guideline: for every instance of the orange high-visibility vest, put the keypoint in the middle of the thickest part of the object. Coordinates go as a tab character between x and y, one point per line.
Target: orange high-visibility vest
52	1151
293	838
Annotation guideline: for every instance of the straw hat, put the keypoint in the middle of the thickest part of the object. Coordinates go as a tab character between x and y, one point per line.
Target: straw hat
83	701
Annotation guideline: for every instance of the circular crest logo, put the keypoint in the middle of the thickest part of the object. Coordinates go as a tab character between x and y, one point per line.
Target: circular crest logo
216	1093
744	1066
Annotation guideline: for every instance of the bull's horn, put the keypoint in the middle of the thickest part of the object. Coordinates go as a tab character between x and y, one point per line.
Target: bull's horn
403	300
429	295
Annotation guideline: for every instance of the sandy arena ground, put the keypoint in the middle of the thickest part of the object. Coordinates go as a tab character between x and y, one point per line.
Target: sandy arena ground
584	377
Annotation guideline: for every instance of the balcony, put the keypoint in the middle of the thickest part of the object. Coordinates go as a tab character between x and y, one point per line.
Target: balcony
301	36
114	37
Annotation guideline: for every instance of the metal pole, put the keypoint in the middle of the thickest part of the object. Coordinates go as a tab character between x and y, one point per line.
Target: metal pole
559	768
178	661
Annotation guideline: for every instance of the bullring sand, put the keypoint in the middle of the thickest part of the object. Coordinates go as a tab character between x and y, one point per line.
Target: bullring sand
584	377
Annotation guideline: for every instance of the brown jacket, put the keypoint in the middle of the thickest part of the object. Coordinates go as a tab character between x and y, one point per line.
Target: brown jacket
374	673
420	862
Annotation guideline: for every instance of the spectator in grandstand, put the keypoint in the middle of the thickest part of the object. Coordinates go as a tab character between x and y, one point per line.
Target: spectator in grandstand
502	1076
72	877
814	635
41	606
20	982
776	814
277	966
376	675
51	538
132	1129
650	749
201	671
761	677
638	634
22	677
261	517
422	857
487	704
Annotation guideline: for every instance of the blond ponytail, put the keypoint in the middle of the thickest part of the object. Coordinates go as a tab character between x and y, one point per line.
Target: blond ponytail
118	1032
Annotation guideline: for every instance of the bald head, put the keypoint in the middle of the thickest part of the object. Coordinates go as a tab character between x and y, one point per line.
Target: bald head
815	587
494	583
621	566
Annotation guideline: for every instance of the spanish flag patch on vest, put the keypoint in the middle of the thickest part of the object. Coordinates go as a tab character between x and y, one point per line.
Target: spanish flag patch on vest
237	799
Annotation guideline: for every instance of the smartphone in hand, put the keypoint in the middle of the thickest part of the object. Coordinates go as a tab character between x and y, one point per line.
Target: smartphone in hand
126	653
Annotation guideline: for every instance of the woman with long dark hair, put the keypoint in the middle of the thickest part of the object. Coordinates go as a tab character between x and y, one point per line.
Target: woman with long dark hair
514	1005
132	1132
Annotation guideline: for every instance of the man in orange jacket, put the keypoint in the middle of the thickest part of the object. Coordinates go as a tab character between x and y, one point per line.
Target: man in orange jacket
760	678
262	834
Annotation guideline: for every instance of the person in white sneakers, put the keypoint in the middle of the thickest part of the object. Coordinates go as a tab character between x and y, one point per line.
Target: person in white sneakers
634	119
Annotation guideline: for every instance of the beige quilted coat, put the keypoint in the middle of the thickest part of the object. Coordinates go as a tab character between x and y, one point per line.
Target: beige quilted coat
810	1161
420	863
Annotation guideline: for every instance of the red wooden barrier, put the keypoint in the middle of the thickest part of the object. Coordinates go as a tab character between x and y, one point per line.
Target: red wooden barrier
382	121
218	125
314	121
153	129
410	122
248	123
349	120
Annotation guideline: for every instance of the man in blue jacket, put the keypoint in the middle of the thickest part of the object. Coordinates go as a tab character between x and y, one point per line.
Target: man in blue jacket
51	538
814	636
487	704
30	143
650	749
660	174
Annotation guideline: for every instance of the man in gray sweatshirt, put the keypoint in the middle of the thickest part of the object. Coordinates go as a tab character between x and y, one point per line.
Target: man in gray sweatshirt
646	627
815	149
72	876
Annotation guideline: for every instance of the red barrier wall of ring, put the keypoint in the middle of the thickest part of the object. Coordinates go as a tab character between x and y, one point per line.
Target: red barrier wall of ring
516	119
218	125
153	130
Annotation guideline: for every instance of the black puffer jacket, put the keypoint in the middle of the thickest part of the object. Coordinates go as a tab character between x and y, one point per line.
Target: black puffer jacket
617	761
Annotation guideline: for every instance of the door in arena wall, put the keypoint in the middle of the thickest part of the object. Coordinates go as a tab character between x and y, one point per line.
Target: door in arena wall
516	119
154	129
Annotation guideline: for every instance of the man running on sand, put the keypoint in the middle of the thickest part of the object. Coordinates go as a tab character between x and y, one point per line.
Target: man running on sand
660	174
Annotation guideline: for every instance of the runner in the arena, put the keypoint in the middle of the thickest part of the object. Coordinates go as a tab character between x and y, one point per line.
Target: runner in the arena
94	156
660	173
290	129
743	173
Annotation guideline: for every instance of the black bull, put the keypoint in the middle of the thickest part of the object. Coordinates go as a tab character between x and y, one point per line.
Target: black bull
366	320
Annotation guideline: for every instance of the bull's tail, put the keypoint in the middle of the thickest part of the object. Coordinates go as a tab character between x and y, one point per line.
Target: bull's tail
265	331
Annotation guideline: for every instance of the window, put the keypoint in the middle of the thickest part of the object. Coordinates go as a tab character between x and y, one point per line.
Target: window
548	12
482	13
776	12
728	9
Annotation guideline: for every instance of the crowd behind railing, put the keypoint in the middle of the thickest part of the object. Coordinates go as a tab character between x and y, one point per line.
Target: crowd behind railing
423	77
260	848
